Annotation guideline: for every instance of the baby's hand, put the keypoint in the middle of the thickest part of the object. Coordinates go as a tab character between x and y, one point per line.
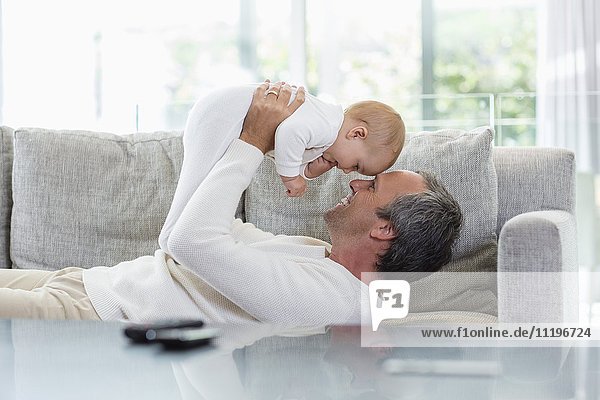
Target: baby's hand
318	167
296	185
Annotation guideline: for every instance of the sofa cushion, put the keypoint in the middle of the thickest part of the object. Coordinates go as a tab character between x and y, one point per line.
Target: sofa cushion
270	209
6	161
85	199
460	159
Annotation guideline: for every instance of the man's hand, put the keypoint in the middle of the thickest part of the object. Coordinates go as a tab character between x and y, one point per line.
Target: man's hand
295	186
268	109
318	167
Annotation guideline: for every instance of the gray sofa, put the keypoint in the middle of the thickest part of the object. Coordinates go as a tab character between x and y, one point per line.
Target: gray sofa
76	198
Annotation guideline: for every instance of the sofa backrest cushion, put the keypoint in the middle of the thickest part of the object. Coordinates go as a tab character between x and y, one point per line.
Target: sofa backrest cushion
6	162
462	160
270	209
86	199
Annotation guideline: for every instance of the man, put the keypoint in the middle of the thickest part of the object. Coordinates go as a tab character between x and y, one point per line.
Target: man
222	270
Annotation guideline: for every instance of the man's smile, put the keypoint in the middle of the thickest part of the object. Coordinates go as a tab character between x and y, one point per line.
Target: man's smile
346	200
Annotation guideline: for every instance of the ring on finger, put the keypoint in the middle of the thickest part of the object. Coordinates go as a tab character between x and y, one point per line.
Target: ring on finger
276	93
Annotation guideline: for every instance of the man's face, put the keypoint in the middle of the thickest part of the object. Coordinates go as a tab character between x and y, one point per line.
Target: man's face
356	213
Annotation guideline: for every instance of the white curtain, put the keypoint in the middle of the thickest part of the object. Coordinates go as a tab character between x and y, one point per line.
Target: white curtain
568	101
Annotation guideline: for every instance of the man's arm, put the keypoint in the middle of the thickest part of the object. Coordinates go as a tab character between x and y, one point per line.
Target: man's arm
212	124
270	286
264	113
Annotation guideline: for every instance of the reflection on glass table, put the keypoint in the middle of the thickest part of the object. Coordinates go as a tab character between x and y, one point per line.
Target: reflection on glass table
94	360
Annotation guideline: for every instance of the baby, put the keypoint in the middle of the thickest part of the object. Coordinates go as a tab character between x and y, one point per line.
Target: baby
367	137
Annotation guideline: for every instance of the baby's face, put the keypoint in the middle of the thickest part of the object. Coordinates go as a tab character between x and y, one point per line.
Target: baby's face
357	155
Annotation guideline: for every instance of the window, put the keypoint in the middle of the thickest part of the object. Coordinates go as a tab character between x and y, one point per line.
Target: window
122	66
487	47
359	50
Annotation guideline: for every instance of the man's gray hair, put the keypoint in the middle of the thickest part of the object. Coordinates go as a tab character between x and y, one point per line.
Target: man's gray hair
426	225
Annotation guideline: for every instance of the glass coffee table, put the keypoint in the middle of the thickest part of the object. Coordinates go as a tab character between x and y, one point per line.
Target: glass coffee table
94	360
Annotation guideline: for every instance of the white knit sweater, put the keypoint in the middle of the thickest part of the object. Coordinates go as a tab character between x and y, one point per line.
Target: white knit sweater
216	120
230	271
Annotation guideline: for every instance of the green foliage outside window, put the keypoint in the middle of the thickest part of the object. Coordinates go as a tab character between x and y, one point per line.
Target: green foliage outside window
489	51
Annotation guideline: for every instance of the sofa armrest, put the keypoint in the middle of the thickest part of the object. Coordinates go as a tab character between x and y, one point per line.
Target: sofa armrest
537	268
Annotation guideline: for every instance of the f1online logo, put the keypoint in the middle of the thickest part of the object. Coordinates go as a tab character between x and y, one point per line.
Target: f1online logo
388	299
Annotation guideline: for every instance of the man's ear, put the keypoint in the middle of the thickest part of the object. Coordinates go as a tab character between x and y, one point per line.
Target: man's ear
383	230
358	132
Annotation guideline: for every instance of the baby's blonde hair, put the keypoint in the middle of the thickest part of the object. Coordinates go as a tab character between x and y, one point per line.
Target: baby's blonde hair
385	125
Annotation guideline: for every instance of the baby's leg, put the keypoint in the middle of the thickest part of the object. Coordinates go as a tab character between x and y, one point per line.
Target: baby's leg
212	124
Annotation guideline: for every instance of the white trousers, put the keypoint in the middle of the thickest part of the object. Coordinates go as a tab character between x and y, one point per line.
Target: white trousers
37	294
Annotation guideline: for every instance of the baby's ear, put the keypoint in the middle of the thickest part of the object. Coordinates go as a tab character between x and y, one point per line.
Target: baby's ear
358	132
